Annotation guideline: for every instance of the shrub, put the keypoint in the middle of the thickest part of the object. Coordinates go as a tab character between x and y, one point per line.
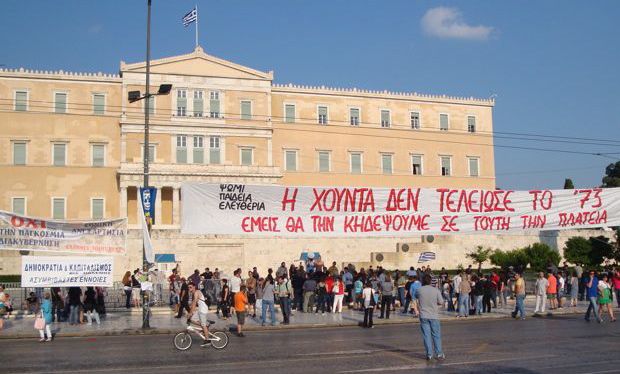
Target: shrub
540	256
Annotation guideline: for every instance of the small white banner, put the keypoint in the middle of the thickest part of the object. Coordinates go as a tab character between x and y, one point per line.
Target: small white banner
64	271
237	209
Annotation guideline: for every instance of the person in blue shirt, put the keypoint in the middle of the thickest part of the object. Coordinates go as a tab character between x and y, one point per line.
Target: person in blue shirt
414	301
592	294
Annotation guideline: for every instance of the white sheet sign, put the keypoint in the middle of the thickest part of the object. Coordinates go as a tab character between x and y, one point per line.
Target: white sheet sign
67	271
365	211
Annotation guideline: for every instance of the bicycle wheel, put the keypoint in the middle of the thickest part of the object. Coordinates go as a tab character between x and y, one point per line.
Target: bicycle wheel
182	341
219	340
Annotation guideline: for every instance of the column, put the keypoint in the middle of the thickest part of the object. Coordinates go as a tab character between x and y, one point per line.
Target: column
176	209
138	202
269	152
123	208
158	220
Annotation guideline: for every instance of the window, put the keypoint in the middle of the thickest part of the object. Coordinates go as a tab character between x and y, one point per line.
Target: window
354	116
152	155
198	150
322	111
289	113
324	161
198	104
246	110
21	101
471	124
214	104
446	165
356	163
19	205
98	155
473	166
246	156
181	103
19	153
181	149
416	164
415	120
59	154
60	102
214	150
386	163
290	160
385	118
444	123
58	208
97	208
99	104
151	103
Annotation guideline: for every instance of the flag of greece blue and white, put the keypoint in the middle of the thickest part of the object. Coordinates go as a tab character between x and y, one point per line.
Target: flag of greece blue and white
426	256
190	17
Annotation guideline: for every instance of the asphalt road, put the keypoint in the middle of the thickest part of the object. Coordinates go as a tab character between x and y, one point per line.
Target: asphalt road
562	344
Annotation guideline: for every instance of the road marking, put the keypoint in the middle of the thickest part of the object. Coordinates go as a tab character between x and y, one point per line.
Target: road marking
354	351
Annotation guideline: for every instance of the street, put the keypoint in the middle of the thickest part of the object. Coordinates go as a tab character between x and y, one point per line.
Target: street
536	345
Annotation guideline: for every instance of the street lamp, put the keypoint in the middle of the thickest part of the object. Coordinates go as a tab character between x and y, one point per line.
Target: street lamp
134	96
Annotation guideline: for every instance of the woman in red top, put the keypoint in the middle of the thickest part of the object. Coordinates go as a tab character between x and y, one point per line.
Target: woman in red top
338	291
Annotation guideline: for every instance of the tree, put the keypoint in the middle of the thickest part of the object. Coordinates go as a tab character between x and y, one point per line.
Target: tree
568	184
479	256
515	258
540	256
601	249
577	250
612	175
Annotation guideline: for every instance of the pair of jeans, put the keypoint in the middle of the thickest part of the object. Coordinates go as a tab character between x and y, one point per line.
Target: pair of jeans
321	302
285	305
592	307
407	304
486	304
74	314
463	305
386	303
494	297
478	304
368	316
299	300
519	306
128	298
272	311
401	295
431	335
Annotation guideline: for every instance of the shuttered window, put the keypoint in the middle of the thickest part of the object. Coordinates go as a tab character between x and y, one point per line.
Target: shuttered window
324	161
199	150
21	101
386	164
99	104
354	116
385	118
97	208
19	153
473	166
356	163
181	103
291	160
19	205
98	155
289	113
246	156
58	208
246	110
59	154
181	149
214	150
443	122
416	164
214	104
198	104
60	102
471	124
446	166
322	112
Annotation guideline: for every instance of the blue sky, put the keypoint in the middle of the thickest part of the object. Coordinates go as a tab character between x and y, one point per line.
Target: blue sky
553	65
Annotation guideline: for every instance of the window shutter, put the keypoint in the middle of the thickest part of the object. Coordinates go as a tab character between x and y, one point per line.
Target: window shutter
246	157
198	107
291	161
58	209
471	124
473	167
324	162
98	155
181	149
443	122
21	101
385	118
246	110
214	107
60	102
59	154
19	205
97	208
356	163
416	162
19	153
289	115
387	164
98	104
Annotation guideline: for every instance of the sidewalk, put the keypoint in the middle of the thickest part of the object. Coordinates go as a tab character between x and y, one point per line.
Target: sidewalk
122	322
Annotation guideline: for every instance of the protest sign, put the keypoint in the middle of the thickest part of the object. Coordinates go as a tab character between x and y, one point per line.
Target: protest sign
365	211
19	232
67	271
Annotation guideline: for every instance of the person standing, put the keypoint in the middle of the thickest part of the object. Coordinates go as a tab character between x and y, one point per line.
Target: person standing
464	290
90	305
284	296
75	295
309	287
250	284
58	304
183	298
429	299
347	279
540	290
338	292
387	287
135	288
591	292
241	306
520	296
574	289
225	299
235	284
604	298
456	284
616	284
412	289
268	299
368	295
101	294
46	314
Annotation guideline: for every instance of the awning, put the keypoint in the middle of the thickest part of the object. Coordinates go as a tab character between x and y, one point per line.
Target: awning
164	258
305	255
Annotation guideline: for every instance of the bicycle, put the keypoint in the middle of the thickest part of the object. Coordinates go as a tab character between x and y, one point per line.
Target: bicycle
183	340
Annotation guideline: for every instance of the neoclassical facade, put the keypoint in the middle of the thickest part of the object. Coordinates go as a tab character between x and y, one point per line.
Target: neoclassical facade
71	147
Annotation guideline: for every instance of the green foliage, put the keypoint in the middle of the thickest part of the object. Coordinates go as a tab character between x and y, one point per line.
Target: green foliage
601	249
568	184
540	256
589	252
460	267
504	259
479	256
10	278
612	175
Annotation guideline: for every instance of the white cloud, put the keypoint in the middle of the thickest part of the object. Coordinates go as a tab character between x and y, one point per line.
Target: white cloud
444	22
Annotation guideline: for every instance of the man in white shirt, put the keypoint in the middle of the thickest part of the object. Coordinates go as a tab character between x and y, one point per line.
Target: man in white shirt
456	286
541	293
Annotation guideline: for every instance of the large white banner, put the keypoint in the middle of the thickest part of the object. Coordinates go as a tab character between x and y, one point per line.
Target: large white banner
28	233
65	271
365	211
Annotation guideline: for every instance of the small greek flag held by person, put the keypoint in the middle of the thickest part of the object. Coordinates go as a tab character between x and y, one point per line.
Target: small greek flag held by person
426	256
190	17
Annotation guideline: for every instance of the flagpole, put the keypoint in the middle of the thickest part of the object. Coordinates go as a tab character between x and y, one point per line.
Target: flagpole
196	7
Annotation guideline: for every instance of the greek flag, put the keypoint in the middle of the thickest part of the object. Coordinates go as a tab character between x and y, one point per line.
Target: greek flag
190	17
426	256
